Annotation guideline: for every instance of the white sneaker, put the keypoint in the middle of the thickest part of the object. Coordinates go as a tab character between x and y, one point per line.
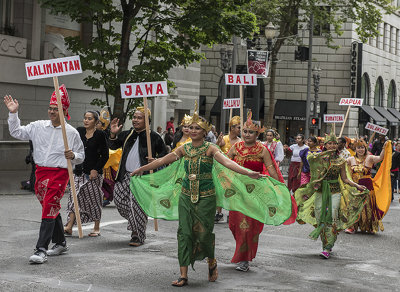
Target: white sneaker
57	249
243	266
39	257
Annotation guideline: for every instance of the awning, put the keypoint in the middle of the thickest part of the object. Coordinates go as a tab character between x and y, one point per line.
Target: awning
294	110
394	112
378	119
393	121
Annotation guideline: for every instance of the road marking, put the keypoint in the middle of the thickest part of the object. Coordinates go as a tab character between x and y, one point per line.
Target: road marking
90	287
104	224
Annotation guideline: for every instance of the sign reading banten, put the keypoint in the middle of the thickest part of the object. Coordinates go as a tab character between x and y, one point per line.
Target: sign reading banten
376	128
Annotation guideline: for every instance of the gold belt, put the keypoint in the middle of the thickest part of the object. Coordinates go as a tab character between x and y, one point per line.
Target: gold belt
193	176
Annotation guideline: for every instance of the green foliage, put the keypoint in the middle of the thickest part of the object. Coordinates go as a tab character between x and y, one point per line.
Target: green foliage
153	35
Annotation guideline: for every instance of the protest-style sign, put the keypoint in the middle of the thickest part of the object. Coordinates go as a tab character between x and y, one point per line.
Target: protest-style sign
349	102
54	68
144	89
333	118
376	129
231	103
257	63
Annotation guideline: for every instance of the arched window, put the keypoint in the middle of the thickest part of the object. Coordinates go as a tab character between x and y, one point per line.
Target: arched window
378	95
365	88
392	95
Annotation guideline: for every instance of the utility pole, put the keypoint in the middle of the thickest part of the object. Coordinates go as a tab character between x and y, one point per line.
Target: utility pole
308	103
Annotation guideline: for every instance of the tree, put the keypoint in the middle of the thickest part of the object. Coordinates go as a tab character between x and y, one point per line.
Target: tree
289	15
161	34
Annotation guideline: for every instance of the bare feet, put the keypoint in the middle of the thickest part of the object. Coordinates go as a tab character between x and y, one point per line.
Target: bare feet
212	270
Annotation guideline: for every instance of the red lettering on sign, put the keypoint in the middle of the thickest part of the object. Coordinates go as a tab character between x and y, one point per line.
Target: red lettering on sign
238	79
252	80
159	89
29	71
149	89
55	68
65	65
35	72
77	65
60	68
245	80
71	66
128	92
40	72
138	90
230	79
48	68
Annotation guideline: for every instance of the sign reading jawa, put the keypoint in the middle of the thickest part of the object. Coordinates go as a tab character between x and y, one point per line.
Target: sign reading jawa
53	67
351	101
333	118
231	103
241	79
144	89
376	128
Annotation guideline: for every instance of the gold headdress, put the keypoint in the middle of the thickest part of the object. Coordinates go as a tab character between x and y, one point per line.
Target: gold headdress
331	137
104	118
141	109
234	121
196	119
359	142
186	120
252	126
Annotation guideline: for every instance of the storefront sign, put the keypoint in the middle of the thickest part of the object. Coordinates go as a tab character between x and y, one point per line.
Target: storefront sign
351	101
231	103
355	69
144	89
257	63
53	67
289	118
241	79
333	118
376	128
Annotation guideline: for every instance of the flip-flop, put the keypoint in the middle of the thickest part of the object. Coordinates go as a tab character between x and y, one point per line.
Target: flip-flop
94	234
183	280
67	234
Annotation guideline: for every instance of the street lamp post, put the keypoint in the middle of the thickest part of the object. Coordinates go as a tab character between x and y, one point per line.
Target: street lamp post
316	76
269	32
226	57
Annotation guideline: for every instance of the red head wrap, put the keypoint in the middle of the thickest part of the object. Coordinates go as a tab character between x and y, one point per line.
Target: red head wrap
64	99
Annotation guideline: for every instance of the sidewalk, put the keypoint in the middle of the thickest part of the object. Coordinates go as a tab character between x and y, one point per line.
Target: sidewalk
10	182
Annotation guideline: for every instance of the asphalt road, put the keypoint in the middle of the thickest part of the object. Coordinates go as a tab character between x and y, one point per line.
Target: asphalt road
286	261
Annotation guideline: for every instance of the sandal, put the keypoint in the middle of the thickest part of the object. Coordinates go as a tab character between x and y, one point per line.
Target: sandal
180	279
67	232
212	272
94	234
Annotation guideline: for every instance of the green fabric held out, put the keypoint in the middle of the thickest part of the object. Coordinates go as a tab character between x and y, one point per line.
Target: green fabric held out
265	199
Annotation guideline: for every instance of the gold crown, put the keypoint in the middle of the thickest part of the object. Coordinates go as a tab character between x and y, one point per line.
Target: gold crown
141	109
359	143
104	117
186	120
234	121
331	137
196	119
250	125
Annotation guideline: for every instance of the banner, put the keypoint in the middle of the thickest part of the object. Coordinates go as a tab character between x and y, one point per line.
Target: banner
144	89
377	129
333	118
351	101
257	63
231	103
53	67
241	79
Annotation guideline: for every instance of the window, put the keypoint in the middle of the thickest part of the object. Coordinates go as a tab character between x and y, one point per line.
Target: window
322	27
378	95
365	88
392	95
6	16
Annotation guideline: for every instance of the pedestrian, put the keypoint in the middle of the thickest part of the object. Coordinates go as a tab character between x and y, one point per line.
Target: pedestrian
159	130
211	135
395	170
51	168
361	164
343	152
294	167
275	147
134	155
304	154
182	135
170	125
319	201
88	176
169	137
194	194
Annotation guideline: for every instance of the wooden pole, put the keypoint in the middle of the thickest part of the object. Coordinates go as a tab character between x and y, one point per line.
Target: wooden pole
69	164
241	106
344	122
334	129
230	115
371	138
149	152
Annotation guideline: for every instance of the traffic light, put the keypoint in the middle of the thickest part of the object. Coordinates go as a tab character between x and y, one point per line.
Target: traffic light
301	53
314	123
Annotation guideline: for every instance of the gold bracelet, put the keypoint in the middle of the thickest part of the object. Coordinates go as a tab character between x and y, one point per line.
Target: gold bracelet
270	166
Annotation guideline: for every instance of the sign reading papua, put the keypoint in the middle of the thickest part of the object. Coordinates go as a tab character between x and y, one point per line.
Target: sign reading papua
351	101
144	89
53	67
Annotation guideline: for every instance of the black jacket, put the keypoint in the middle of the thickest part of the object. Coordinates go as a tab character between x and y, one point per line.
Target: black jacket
126	139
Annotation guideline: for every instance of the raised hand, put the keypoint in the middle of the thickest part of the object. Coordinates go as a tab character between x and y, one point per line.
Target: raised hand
114	128
11	104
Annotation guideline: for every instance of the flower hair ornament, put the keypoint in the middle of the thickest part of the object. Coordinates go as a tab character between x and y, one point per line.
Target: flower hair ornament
252	126
196	119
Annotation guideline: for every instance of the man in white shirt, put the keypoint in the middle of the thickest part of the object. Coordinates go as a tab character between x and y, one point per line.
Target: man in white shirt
51	172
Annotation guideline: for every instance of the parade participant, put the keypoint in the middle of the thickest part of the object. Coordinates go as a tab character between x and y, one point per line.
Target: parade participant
304	169
134	155
182	136
379	192
190	188
252	155
225	143
320	201
51	168
350	146
294	167
377	146
395	170
88	176
343	152
275	147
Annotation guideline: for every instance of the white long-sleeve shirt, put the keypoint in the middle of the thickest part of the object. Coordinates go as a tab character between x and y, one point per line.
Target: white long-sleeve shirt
47	140
277	152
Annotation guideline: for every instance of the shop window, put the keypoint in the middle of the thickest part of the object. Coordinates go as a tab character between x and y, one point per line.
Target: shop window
6	17
365	88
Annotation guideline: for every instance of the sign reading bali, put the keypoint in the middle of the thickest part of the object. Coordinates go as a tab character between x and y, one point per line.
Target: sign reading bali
351	101
333	118
231	103
53	67
144	89
376	128
241	79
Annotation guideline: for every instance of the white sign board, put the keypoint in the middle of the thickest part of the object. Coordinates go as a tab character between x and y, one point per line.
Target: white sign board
376	128
53	67
333	118
231	103
351	101
241	79
144	89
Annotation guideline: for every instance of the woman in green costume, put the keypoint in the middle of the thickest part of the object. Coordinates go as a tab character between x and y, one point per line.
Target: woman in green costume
197	202
334	203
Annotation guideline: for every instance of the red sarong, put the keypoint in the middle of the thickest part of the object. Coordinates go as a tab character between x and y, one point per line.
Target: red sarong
49	189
